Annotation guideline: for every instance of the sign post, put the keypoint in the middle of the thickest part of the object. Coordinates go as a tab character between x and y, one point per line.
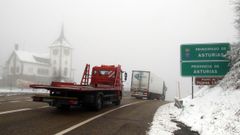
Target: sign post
204	60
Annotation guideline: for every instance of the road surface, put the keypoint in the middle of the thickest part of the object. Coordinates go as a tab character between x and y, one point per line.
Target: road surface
19	115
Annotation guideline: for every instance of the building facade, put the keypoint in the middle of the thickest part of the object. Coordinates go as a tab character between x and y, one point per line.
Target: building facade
24	68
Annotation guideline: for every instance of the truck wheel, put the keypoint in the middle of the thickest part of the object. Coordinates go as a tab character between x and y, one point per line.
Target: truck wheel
163	98
63	107
138	97
150	96
98	103
118	102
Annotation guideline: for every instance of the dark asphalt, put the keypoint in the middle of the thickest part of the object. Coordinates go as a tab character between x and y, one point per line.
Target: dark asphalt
18	102
132	120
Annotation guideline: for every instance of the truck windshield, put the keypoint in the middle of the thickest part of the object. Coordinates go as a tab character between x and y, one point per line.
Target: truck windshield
104	72
107	73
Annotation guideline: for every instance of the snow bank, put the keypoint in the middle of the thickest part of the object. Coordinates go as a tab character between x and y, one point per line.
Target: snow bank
213	111
162	124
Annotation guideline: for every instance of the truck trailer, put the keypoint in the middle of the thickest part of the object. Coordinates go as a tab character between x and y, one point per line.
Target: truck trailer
104	84
145	84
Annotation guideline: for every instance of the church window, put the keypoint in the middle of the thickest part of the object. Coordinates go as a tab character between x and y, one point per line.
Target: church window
65	71
55	51
66	52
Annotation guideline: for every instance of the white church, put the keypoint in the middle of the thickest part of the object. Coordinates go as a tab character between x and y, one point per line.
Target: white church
23	68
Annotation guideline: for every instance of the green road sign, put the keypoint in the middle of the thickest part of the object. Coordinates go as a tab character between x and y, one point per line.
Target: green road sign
210	68
213	51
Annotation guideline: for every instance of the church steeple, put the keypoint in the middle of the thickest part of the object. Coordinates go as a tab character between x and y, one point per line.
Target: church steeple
61	36
61	40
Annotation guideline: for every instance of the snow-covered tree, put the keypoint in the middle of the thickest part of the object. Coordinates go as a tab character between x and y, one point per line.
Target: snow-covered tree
234	54
232	79
237	13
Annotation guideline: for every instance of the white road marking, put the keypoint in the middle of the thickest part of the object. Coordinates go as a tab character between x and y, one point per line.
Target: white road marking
43	107
21	110
14	101
93	118
29	100
13	111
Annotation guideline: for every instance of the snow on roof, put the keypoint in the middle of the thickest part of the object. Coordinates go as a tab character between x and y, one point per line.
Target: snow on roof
61	42
33	57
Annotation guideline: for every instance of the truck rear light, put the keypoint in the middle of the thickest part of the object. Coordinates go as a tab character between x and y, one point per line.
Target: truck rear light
72	102
145	93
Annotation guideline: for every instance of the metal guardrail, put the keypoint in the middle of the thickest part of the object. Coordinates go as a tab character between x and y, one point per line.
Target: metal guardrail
178	103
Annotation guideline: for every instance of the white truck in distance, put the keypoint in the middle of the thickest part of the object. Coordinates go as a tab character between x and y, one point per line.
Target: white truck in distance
145	84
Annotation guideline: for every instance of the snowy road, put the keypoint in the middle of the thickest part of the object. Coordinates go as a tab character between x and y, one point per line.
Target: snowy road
18	115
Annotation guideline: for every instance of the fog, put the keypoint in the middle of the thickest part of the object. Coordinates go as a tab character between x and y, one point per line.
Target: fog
137	34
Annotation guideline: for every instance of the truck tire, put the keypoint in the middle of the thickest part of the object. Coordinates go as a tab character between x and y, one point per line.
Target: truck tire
98	102
118	102
138	97
163	98
63	107
150	96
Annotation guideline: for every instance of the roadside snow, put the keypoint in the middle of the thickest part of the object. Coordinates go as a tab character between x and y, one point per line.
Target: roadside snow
9	92
162	124
213	111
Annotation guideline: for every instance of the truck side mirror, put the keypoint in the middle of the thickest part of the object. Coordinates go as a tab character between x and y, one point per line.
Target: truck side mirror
125	76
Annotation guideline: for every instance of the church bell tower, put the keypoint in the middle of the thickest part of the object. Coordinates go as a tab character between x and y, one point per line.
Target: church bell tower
61	59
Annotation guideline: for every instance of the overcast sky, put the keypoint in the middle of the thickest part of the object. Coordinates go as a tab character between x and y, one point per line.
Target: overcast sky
138	34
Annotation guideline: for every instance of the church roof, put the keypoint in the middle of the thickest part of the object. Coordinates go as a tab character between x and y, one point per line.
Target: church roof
61	40
33	57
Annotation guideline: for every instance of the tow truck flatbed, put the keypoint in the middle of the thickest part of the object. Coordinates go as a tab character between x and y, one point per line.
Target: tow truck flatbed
106	85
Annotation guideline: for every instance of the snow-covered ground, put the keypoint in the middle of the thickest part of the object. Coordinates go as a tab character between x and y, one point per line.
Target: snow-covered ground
213	111
15	91
162	124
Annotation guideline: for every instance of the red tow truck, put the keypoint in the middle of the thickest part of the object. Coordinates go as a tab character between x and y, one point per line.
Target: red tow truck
104	84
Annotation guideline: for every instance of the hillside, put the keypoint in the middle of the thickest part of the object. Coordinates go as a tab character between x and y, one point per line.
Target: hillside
213	111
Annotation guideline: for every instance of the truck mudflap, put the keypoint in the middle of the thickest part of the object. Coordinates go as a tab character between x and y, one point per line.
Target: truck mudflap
56	100
139	94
